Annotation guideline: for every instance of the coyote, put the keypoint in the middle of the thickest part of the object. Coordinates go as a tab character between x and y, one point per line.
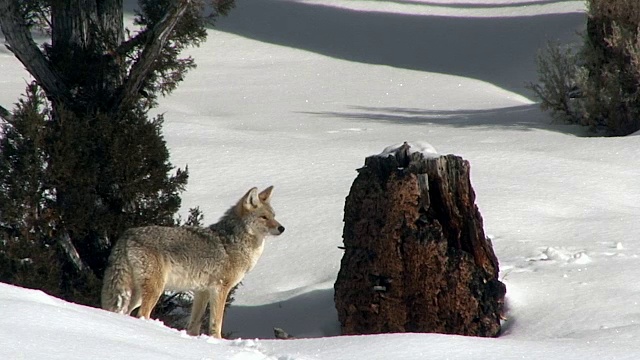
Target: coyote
209	261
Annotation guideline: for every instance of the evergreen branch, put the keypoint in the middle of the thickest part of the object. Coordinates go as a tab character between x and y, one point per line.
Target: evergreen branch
155	41
21	44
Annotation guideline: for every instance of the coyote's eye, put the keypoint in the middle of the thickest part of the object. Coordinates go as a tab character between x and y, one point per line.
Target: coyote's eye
264	218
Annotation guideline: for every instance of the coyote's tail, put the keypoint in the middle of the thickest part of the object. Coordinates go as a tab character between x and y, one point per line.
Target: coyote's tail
117	286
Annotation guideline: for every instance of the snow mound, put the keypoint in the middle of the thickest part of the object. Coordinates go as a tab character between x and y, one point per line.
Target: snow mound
423	147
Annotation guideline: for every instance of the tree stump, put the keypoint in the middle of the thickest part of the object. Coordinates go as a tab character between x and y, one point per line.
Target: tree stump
416	257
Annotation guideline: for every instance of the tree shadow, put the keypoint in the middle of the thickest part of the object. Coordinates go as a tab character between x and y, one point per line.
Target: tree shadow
311	314
463	5
500	50
522	117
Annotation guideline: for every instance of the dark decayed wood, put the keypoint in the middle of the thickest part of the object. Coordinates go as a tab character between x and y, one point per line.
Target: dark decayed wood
416	258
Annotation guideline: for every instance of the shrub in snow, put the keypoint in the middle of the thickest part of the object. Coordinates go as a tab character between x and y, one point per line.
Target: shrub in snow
559	79
599	85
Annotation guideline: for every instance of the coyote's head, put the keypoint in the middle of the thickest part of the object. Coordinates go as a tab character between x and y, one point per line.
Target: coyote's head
256	211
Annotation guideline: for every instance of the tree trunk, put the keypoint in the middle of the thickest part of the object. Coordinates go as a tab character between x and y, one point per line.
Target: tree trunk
83	68
85	35
416	257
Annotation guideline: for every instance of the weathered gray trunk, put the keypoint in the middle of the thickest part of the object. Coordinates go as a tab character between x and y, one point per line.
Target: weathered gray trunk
73	22
85	35
416	257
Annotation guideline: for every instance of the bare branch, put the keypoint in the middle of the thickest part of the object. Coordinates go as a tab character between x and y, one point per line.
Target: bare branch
21	43
65	242
125	47
155	41
5	114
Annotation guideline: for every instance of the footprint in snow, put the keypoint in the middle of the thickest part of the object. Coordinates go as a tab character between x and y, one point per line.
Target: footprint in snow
562	255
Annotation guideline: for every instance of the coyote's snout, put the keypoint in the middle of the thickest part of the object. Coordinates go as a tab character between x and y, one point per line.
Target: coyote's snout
208	261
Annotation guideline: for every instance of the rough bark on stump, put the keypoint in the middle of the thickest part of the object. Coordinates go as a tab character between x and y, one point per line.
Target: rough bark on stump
416	257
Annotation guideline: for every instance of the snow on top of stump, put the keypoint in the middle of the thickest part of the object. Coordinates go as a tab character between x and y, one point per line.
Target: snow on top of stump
423	147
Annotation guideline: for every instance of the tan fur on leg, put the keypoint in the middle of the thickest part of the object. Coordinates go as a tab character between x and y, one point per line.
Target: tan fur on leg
151	291
200	300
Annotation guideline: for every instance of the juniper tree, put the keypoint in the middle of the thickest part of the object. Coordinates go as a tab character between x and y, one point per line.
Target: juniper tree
598	84
80	158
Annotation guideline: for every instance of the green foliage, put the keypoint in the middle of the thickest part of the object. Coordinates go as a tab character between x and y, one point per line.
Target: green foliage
195	217
169	68
79	166
22	161
92	177
36	14
606	72
111	174
25	252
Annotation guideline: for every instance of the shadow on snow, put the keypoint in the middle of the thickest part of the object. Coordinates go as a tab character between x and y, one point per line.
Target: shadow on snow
523	117
311	314
500	50
463	5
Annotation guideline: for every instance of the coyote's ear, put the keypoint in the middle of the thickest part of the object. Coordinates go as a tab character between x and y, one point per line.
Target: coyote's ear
251	200
265	195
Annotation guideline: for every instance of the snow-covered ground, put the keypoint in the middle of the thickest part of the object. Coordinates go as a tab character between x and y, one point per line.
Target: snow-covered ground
296	94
